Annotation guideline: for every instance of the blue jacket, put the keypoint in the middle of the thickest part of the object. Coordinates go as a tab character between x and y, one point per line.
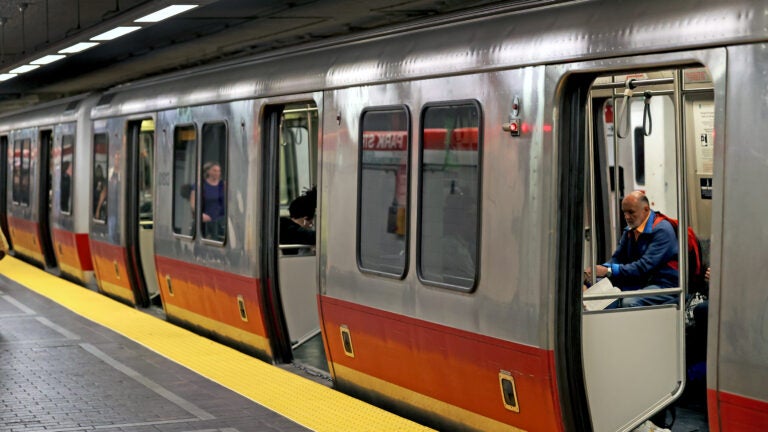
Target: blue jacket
638	263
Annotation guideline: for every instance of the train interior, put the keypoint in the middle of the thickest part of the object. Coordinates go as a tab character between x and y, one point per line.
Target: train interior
650	131
296	136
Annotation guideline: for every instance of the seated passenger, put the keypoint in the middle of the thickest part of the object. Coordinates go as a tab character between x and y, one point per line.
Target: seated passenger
297	229
646	257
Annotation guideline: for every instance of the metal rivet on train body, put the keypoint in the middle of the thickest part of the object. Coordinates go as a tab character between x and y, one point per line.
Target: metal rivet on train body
346	341
508	392
241	308
168	284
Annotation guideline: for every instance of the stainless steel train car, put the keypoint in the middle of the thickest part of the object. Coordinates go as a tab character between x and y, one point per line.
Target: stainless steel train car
45	153
468	169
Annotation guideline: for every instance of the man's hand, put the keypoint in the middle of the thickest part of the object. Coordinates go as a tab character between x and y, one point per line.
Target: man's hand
600	271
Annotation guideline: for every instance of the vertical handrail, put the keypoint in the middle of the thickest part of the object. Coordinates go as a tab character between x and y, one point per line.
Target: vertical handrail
591	183
616	199
682	228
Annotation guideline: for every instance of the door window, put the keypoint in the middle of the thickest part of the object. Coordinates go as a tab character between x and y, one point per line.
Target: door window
100	172
184	179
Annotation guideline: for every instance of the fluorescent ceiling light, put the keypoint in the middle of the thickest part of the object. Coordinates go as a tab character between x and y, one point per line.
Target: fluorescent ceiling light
76	48
25	68
166	13
6	76
115	33
48	59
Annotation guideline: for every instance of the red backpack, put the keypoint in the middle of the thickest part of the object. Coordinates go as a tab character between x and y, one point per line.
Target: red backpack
695	264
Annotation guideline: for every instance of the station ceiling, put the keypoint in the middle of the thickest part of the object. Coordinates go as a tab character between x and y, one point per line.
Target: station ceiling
214	30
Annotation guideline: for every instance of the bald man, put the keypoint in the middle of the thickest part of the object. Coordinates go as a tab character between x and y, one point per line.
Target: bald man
646	257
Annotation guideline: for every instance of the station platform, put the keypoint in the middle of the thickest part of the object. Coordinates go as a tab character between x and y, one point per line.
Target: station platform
74	360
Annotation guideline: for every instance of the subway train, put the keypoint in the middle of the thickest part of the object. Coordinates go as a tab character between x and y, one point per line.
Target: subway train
468	169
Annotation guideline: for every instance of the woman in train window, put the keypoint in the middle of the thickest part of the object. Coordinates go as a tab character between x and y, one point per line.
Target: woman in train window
298	228
99	193
214	202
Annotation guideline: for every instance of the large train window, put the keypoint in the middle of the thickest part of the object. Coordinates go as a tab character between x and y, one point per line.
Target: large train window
382	242
21	171
449	194
100	171
184	178
65	183
21	174
213	194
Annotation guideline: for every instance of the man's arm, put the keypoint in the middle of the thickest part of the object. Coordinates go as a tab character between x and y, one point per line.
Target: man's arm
661	249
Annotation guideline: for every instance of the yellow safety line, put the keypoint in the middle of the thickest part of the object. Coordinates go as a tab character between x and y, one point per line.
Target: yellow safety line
301	400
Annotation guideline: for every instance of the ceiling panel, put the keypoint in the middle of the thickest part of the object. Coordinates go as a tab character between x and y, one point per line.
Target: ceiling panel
216	30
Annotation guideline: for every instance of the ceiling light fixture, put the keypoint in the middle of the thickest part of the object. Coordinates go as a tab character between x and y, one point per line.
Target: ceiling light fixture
115	33
23	69
50	58
76	48
166	13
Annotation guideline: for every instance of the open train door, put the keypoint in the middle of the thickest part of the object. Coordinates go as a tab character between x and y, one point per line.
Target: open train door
290	269
45	197
140	136
3	189
632	363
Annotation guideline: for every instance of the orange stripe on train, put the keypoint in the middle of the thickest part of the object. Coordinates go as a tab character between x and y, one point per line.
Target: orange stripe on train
403	351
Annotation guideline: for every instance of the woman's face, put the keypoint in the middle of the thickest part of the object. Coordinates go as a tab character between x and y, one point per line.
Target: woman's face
214	173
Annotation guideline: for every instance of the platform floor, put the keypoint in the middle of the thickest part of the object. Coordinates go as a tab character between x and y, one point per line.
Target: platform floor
74	360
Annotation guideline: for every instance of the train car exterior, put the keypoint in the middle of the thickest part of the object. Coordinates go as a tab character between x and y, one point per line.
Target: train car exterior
47	170
467	169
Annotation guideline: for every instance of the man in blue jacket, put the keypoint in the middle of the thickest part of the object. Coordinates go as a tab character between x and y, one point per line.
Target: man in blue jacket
646	257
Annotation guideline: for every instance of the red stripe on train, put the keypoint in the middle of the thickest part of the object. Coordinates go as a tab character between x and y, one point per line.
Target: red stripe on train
78	253
212	293
405	351
84	251
736	413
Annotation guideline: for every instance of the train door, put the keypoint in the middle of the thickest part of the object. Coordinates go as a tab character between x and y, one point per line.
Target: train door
140	217
640	138
45	196
4	190
291	266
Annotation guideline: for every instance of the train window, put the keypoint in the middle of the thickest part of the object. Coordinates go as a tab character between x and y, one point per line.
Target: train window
100	160
383	191
298	127
449	194
65	184
146	170
22	152
213	194
298	196
184	177
16	192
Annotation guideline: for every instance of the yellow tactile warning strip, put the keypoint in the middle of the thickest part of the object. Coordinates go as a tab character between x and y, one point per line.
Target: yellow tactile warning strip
303	401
